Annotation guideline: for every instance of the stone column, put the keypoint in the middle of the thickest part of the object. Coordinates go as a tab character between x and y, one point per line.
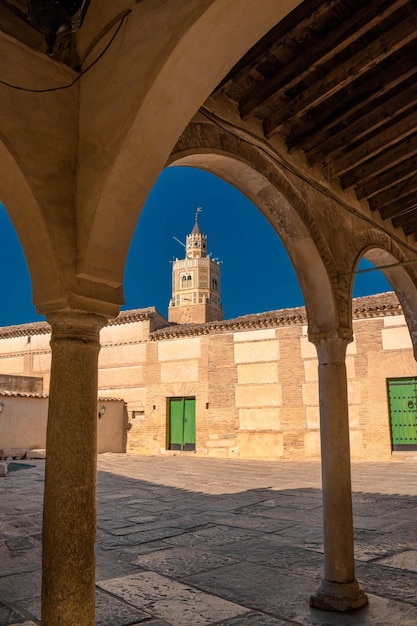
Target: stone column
339	590
69	514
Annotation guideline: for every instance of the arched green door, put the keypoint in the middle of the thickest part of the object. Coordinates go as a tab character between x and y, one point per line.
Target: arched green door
402	394
181	424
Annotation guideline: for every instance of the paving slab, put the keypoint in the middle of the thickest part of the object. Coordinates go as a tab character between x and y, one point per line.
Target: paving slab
180	562
403	560
179	604
255	619
20	586
8	615
389	582
259	587
110	611
212	536
285	596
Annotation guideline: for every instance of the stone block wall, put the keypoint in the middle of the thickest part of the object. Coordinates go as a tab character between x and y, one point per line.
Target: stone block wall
255	384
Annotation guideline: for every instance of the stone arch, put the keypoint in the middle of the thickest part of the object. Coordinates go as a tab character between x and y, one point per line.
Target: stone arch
259	178
24	211
140	122
381	250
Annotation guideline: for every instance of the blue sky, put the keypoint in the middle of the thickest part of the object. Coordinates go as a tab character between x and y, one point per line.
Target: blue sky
257	275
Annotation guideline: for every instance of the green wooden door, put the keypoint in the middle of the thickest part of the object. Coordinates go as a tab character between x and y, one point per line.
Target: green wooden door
181	424
402	394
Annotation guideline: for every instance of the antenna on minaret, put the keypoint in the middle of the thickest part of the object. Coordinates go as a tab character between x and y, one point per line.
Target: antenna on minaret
180	242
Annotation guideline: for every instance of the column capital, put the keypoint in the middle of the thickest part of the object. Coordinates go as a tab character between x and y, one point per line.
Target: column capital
76	324
331	346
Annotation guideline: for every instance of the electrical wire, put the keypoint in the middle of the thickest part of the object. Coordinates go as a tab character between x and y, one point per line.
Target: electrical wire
252	139
379	267
263	146
77	78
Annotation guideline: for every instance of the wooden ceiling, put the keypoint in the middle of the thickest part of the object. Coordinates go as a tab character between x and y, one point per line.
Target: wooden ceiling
337	79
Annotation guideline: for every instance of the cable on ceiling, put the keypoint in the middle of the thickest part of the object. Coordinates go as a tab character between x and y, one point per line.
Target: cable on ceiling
81	74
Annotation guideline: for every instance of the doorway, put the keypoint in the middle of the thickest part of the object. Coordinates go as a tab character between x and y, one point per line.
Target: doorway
181	424
402	396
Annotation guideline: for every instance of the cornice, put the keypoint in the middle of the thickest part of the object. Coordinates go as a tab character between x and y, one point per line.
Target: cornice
43	328
22	394
365	307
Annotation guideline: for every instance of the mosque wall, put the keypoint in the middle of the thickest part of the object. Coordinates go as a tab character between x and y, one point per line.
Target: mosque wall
252	383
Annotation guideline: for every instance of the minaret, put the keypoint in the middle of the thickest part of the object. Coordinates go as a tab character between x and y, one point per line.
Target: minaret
195	283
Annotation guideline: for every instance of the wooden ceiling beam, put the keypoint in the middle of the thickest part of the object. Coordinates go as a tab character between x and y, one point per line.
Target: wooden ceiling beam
324	50
344	74
311	132
304	13
400	206
408	222
385	160
382	182
393	193
363	125
386	137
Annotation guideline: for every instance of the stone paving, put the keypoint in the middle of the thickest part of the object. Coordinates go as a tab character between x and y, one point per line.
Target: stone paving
186	541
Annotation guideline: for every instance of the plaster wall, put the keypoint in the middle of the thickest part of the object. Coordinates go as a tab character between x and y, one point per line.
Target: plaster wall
24	419
180	349
121	333
111	355
23	422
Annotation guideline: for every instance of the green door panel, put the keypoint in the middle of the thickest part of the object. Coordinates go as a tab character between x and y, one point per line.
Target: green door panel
181	424
176	412
402	394
189	423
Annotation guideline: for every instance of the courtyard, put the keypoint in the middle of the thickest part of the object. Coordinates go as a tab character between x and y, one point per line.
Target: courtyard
186	541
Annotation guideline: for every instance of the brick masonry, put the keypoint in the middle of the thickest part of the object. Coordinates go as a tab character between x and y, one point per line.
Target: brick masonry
254	378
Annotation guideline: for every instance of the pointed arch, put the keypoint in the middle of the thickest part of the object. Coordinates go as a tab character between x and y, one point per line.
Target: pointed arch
261	180
380	249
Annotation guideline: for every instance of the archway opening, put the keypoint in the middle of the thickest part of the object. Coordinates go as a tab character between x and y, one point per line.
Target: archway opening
256	272
387	419
369	280
17	306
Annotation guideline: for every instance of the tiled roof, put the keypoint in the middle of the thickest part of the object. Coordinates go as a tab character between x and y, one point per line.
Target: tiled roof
22	394
364	307
22	330
134	315
376	306
28	394
43	328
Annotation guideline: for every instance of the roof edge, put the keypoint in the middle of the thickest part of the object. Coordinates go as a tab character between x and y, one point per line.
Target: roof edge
377	305
363	307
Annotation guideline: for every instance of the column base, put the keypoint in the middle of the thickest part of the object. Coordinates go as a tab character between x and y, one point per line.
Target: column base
340	597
